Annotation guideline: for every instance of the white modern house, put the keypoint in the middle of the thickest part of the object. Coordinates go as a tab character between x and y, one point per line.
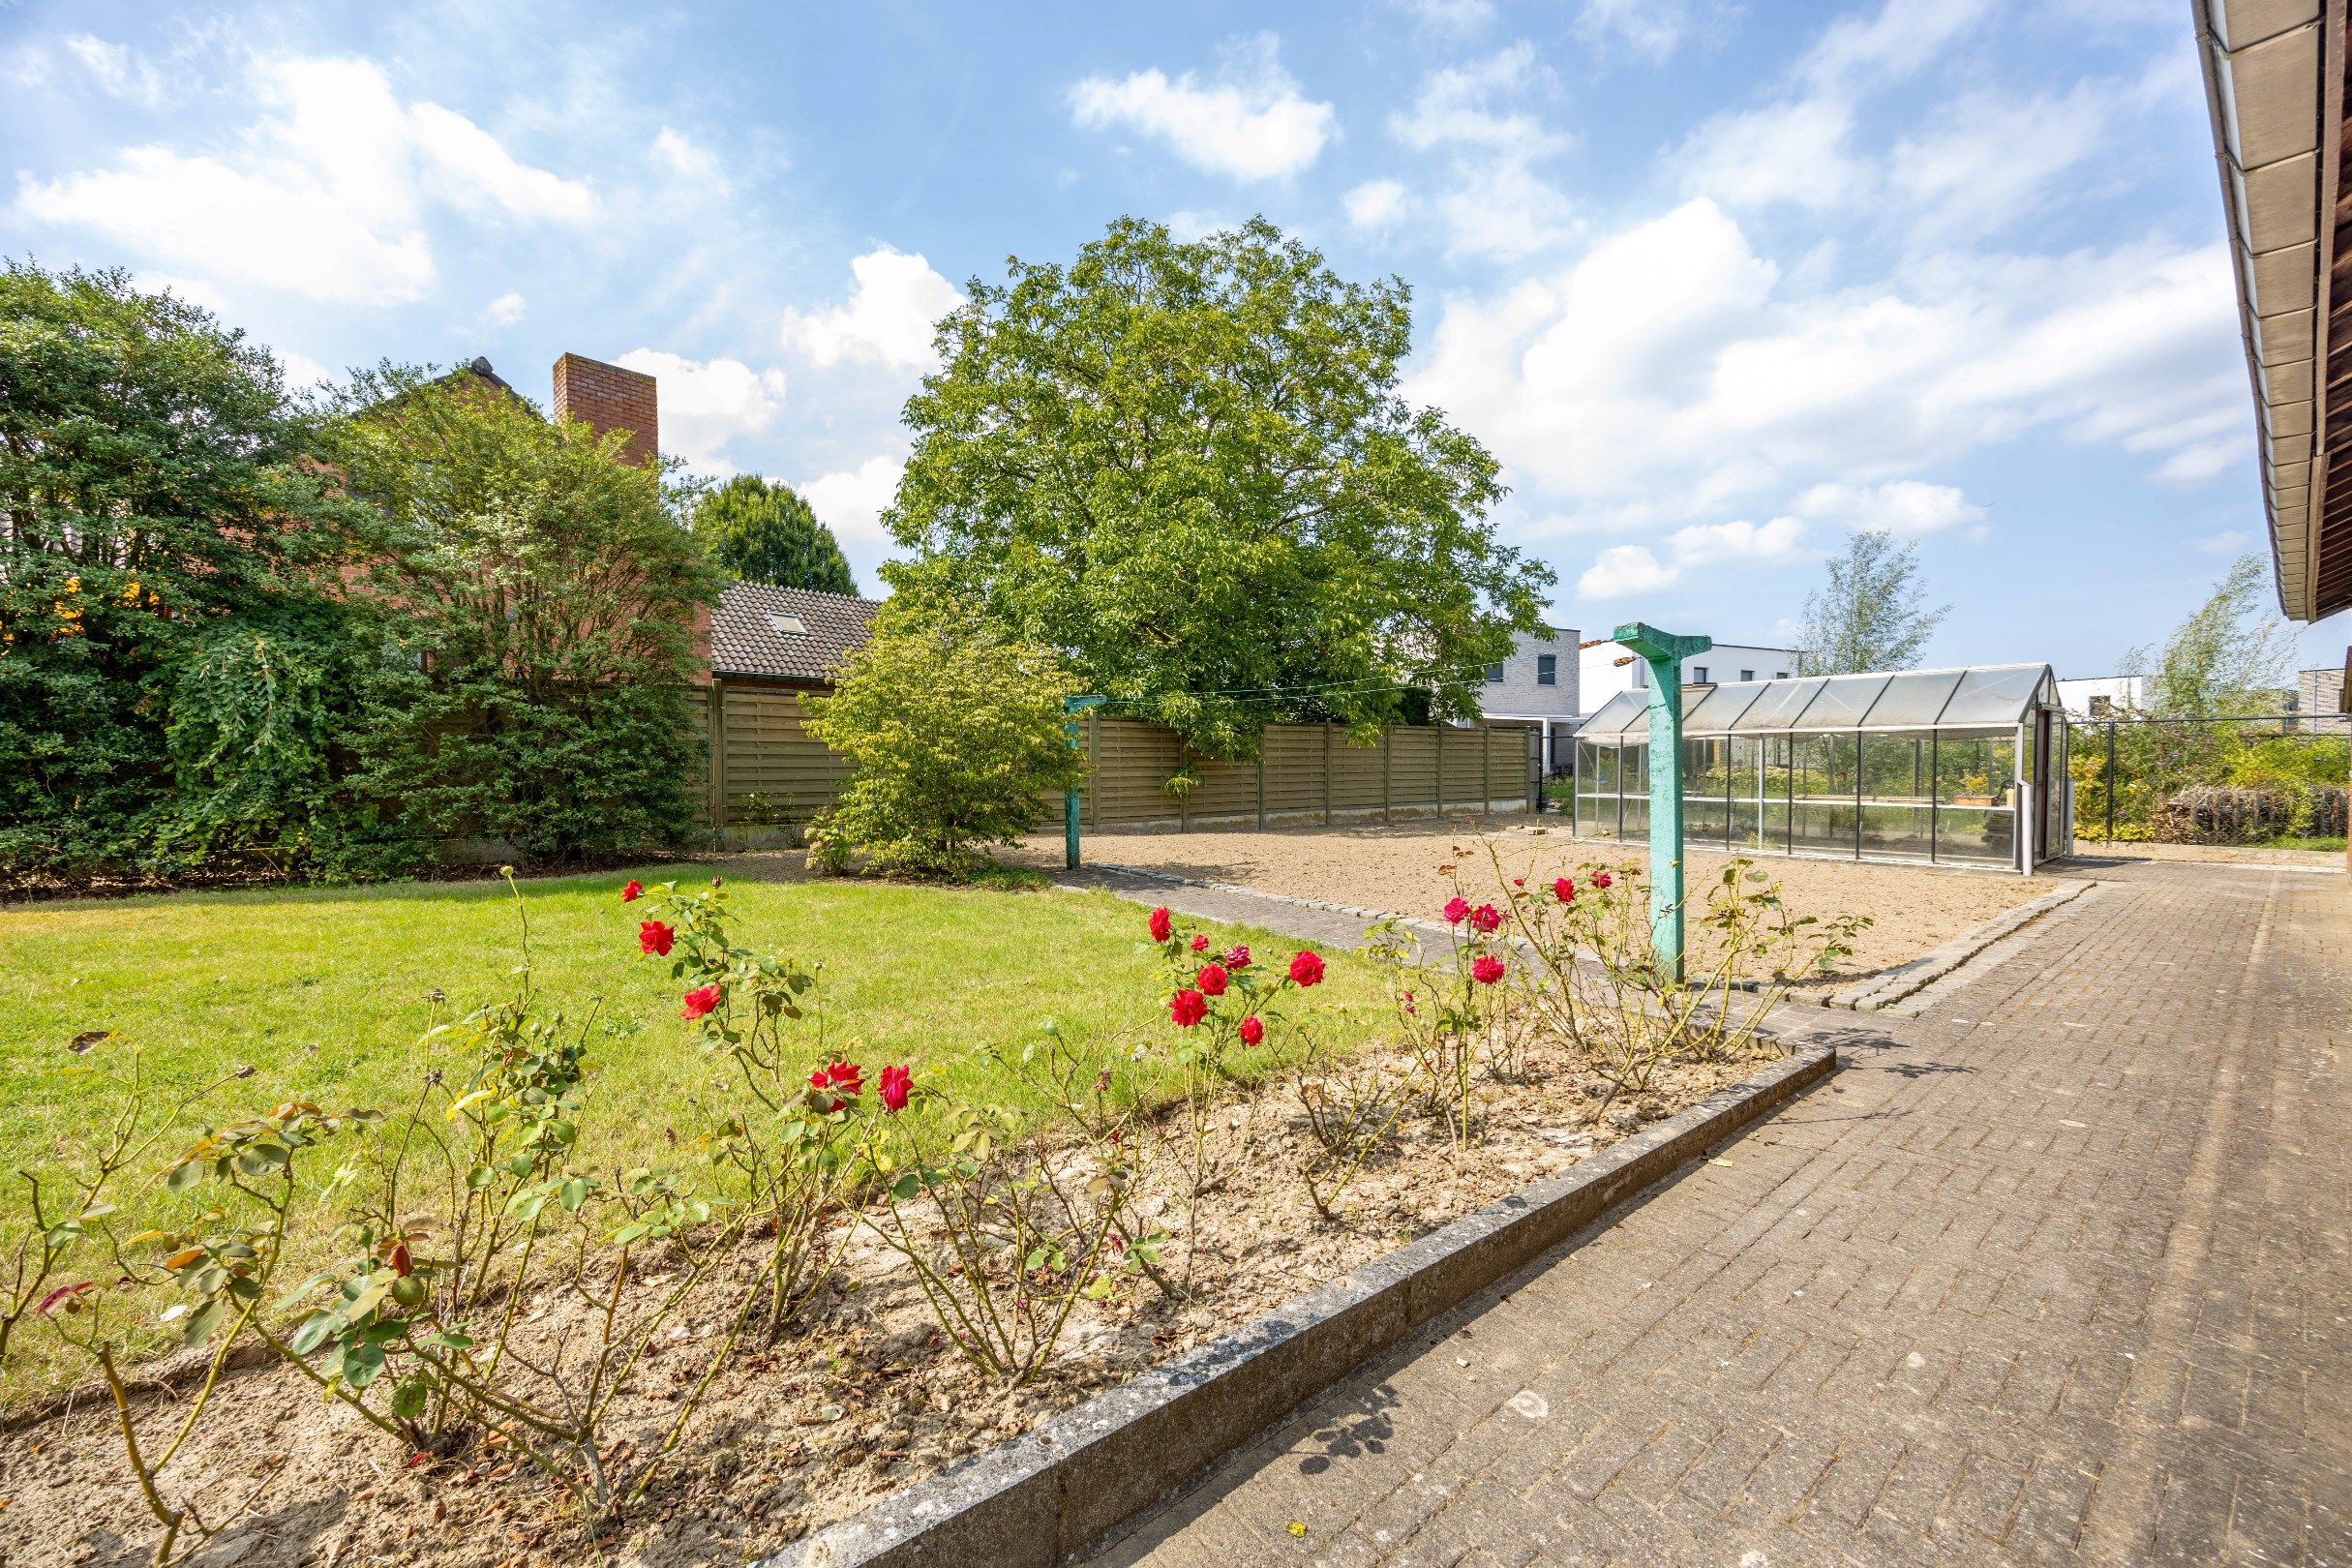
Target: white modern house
1604	669
1537	685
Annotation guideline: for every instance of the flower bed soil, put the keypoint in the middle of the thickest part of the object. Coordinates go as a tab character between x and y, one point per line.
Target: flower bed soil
863	1398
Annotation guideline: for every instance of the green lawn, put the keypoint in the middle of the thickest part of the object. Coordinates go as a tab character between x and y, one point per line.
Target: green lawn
325	991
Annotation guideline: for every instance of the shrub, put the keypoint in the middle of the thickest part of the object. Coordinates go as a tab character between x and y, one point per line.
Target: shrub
956	737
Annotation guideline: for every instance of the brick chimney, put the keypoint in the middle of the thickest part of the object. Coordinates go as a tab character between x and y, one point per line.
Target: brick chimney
607	398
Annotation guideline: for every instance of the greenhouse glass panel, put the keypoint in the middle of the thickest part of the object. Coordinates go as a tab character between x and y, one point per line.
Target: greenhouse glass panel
1975	795
1998	695
1897	814
1747	790
1914	699
1782	701
1706	790
1822	819
1841	702
1720	709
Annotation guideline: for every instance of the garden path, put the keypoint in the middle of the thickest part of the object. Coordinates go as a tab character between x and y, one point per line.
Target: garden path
2054	1273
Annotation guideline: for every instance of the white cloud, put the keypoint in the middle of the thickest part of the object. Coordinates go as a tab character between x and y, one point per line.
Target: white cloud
1494	204
1450	16
1251	122
850	502
325	196
1652	28
1621	570
895	305
1376	203
678	153
1899	505
505	310
1794	148
118	71
1188	224
1670	374
1624	570
705	404
1783	152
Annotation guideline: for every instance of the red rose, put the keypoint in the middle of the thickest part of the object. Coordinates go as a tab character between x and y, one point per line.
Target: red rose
1188	1008
1237	957
1306	969
1253	1031
656	938
1455	909
897	1083
1486	918
1600	879
1212	981
846	1076
1162	925
1564	890
1519	882
700	1000
635	890
1485	969
1200	944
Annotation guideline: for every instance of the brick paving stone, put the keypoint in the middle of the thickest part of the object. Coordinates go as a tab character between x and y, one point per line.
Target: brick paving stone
1920	1320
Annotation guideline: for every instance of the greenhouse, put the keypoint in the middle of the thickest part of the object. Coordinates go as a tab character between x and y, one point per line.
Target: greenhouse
1926	765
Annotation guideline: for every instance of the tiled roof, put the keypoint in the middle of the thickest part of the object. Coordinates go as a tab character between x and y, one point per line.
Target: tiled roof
751	631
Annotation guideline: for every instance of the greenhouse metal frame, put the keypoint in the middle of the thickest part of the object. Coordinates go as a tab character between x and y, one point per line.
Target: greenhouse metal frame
1923	766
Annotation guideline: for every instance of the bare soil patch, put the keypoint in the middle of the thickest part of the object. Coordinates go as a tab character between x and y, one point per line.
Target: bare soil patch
861	1398
2210	854
1914	909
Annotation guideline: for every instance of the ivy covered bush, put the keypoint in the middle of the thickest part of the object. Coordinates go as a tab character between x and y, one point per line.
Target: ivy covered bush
246	633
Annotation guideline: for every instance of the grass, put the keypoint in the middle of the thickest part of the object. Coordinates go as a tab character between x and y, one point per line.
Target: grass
326	992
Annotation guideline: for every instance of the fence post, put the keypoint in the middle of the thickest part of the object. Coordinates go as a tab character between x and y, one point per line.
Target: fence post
1326	775
1388	808
2111	781
1261	782
1441	727
715	694
1486	768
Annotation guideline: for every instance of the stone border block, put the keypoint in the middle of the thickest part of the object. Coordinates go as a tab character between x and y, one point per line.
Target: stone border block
1042	1498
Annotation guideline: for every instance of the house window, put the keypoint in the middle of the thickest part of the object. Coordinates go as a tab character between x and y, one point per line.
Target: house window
1546	669
1495	674
1698	674
2103	707
788	623
1781	676
1747	675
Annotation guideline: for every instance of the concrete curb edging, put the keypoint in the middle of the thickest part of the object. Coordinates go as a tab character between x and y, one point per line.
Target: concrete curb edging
1891	985
1041	1498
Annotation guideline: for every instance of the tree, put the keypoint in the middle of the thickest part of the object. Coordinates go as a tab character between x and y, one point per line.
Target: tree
1872	613
153	489
956	736
761	530
538	687
2231	655
1187	465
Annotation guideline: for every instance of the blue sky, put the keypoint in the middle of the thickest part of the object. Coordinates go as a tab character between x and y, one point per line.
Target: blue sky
1716	281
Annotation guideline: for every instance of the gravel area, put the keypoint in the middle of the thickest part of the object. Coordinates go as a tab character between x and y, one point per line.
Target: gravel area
2091	849
1915	908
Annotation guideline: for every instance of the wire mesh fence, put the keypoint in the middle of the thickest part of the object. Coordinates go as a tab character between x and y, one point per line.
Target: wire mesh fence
2248	779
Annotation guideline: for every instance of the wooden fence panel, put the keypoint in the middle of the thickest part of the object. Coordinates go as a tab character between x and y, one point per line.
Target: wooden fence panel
772	769
773	773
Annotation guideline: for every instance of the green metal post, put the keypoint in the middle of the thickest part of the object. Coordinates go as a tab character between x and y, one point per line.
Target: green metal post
1071	707
1664	653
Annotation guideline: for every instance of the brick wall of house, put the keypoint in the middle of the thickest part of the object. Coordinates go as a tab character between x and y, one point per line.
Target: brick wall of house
607	398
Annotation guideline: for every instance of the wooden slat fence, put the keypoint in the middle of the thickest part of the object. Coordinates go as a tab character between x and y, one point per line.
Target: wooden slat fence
772	775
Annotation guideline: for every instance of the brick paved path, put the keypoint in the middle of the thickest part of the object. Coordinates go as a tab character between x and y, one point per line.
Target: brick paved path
2056	1273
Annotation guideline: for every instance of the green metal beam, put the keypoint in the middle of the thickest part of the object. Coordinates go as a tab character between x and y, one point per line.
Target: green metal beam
1071	707
1664	653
